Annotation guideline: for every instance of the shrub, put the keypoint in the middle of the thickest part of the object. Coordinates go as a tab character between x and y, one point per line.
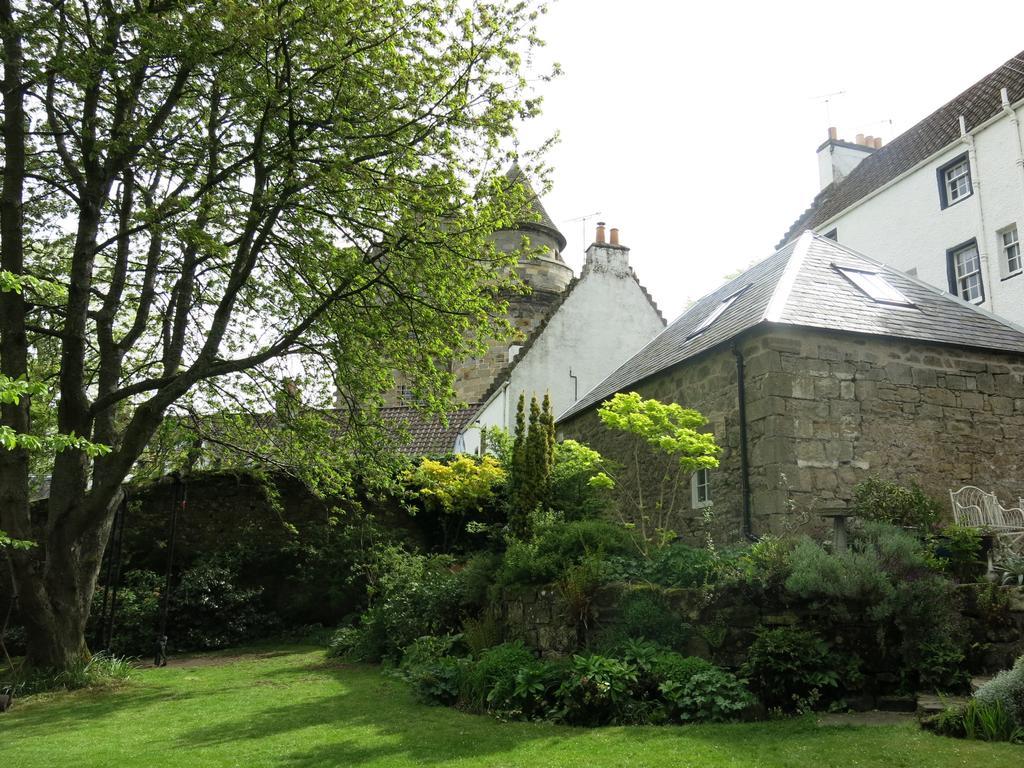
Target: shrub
960	550
766	563
209	609
791	669
989	721
556	547
1006	688
595	691
852	577
496	667
477	577
413	596
350	644
481	633
137	611
570	488
712	695
888	502
530	693
430	668
680	565
646	614
100	671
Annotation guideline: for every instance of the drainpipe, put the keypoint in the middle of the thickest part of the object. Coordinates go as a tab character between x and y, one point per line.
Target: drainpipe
1012	114
972	154
741	395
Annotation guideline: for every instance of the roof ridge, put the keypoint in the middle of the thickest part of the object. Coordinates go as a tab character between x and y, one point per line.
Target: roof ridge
918	145
784	287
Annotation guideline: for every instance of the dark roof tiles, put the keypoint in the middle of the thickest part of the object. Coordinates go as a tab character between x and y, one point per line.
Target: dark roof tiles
800	286
940	129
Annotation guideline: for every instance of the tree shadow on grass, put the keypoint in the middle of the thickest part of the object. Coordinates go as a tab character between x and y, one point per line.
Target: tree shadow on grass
41	716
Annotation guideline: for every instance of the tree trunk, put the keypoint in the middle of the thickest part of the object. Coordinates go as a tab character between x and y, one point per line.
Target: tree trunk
56	583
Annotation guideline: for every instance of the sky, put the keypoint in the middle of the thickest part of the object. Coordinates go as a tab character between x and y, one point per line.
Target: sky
692	127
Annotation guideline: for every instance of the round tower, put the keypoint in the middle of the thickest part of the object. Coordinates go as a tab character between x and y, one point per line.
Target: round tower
547	277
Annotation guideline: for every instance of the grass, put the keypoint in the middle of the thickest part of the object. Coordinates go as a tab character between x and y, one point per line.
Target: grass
290	708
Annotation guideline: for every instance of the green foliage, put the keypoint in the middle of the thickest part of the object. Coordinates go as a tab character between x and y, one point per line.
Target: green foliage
886	578
989	721
595	691
1011	570
667	446
411	596
460	485
1007	690
666	427
497	667
960	548
430	668
709	696
355	644
482	633
557	546
888	502
646	614
576	486
478	577
680	565
210	610
532	459
792	669
101	670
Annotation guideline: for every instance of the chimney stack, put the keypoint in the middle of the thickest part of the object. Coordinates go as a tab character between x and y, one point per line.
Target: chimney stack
615	236
600	232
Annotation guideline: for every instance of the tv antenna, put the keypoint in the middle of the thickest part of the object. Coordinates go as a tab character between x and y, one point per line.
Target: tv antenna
827	98
583	225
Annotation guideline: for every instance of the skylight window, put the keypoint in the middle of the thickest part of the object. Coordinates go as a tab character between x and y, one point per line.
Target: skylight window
875	286
715	313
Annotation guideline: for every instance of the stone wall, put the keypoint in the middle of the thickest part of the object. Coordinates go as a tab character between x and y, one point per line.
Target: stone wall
826	410
722	627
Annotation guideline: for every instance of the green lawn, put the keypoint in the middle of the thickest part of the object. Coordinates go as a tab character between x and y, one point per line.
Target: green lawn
290	708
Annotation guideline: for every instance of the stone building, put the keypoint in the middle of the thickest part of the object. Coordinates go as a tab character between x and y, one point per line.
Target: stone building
819	367
944	200
597	322
570	334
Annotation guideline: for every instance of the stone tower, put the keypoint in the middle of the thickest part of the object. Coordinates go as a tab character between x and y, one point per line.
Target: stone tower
547	276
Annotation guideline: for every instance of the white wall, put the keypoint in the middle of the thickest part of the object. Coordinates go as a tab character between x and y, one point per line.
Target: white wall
603	322
905	226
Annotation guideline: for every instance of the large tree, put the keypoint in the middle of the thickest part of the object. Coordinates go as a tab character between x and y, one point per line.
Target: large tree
196	189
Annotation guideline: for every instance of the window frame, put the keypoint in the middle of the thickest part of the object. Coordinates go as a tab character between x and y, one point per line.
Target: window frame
695	489
954	278
1004	258
867	287
942	172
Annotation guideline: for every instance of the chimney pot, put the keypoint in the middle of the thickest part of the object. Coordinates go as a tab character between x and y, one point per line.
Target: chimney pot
869	141
600	232
859	139
615	236
833	134
878	142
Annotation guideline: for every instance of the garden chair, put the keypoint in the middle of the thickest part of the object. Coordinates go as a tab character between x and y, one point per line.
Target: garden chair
980	509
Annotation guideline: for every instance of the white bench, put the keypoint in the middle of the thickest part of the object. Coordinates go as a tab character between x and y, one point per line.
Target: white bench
980	509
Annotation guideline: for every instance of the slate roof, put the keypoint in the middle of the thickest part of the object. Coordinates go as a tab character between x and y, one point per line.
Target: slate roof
977	104
544	223
427	435
800	286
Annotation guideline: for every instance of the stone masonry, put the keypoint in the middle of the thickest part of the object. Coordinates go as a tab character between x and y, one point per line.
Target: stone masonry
825	410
